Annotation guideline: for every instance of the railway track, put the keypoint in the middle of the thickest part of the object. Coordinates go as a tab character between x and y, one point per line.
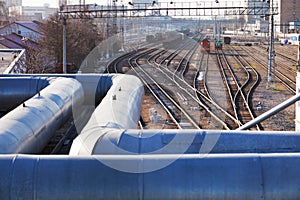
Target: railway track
283	62
205	92
178	112
176	74
185	95
179	78
288	52
120	64
62	141
286	81
211	108
242	80
229	81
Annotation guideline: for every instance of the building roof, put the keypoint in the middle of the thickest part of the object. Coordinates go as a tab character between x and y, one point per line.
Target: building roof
15	41
9	44
7	56
31	25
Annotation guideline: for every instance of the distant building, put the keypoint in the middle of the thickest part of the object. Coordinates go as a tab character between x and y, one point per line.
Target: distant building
10	3
31	13
28	29
6	43
256	22
253	4
289	11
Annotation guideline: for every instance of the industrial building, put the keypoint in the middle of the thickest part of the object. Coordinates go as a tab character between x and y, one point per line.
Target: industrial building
289	11
10	3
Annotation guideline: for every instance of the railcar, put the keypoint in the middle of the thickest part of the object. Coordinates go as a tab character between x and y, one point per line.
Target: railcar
227	40
218	44
205	45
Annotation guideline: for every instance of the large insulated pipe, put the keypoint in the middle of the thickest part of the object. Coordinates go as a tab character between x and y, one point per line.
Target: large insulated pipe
95	86
216	176
117	141
107	131
28	128
119	109
15	90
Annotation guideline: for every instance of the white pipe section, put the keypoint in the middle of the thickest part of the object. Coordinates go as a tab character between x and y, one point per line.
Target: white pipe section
119	109
28	127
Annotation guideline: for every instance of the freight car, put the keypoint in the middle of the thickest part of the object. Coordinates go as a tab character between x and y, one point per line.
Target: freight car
205	45
218	45
150	38
227	40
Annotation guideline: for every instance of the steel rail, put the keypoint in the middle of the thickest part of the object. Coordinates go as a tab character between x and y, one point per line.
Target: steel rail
225	79
251	75
134	63
209	110
284	83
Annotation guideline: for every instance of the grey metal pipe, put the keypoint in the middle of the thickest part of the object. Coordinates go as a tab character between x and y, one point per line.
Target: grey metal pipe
28	127
270	113
103	141
216	176
123	98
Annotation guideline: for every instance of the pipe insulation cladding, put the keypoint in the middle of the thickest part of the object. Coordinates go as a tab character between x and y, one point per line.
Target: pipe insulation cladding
190	176
119	109
114	160
16	90
28	128
103	141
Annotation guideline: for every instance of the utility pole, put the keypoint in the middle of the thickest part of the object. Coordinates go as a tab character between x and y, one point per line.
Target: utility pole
64	46
297	121
82	4
63	5
271	47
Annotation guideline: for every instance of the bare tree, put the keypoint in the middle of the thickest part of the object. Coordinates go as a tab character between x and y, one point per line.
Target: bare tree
82	37
36	59
4	15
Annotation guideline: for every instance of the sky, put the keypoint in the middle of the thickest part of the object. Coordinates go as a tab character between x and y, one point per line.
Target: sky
53	3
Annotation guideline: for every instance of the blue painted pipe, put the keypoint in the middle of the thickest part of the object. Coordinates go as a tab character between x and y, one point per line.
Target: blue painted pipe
119	141
215	176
